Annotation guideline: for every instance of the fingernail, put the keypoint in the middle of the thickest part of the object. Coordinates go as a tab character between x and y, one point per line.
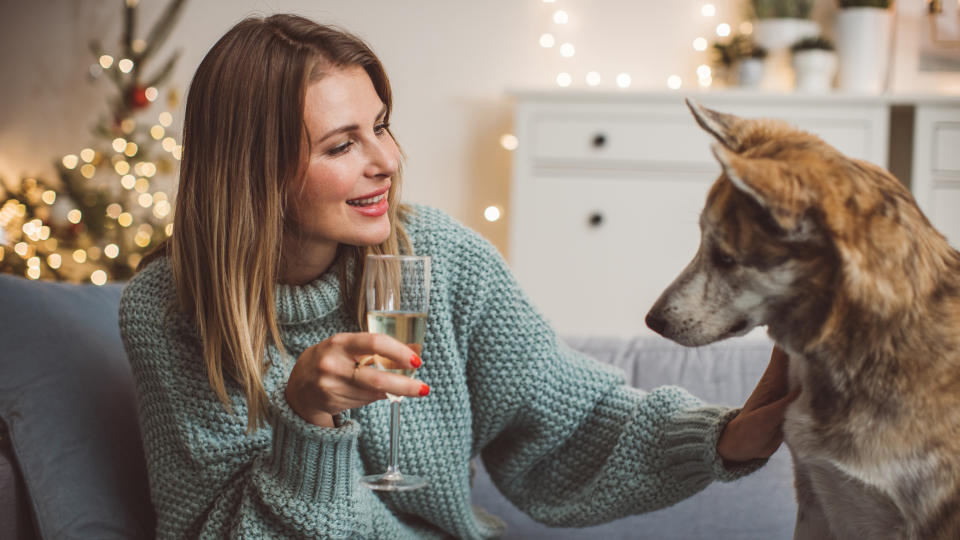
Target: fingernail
415	361
424	390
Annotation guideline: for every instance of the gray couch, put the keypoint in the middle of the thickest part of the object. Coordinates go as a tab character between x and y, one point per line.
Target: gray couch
71	465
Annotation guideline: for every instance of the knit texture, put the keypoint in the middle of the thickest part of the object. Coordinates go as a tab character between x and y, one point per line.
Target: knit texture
561	435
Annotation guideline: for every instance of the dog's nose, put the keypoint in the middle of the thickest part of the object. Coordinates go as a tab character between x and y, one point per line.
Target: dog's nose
656	323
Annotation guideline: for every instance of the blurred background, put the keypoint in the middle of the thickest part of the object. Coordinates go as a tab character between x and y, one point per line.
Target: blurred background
94	93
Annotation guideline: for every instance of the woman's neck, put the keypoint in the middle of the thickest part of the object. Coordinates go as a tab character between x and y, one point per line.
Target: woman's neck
304	262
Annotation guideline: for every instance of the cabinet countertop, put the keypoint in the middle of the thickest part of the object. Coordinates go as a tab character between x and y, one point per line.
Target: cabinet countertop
729	95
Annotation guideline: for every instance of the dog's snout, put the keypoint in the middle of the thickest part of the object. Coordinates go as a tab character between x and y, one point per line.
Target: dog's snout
656	323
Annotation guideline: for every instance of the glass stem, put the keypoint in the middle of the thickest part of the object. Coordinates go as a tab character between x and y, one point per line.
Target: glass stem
392	468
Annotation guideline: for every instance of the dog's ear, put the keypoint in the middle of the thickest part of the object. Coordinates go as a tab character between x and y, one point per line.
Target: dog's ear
772	185
727	128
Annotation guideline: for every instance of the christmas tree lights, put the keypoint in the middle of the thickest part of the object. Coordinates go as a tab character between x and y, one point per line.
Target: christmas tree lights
110	203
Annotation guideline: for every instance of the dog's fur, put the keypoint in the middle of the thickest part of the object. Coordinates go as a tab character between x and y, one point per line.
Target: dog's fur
833	255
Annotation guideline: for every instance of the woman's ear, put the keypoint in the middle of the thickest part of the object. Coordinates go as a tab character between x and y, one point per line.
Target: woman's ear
730	130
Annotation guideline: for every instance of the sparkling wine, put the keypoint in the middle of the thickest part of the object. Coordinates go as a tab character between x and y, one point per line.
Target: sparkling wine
397	295
407	327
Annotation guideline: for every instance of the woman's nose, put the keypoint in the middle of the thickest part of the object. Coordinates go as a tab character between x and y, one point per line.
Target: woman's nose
384	159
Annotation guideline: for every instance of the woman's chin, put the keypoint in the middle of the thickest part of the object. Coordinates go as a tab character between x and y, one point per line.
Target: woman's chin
373	237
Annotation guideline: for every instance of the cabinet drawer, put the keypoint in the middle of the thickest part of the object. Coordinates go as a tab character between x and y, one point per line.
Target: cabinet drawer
597	252
946	142
605	141
671	141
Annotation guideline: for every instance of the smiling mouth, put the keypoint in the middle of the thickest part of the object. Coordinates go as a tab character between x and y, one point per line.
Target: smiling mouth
368	201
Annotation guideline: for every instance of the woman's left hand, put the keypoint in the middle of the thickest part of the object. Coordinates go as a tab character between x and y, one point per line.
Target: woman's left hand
756	432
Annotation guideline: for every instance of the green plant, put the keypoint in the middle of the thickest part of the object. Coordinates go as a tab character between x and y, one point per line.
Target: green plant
774	9
884	4
738	47
812	43
723	54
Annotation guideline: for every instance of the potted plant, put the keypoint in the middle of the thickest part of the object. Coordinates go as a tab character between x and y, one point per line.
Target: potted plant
863	30
779	24
751	66
814	63
740	60
723	62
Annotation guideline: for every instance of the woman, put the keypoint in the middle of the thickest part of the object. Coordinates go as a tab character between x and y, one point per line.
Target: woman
243	333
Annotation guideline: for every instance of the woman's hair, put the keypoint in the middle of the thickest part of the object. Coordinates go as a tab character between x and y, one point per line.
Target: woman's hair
244	148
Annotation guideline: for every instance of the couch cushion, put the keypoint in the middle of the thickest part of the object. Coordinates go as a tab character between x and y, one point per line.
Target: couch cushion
67	396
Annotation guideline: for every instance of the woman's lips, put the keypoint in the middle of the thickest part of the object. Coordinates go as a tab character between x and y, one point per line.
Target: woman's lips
371	206
362	201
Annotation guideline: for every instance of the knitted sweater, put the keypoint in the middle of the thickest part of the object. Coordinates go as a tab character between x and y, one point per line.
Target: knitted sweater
561	435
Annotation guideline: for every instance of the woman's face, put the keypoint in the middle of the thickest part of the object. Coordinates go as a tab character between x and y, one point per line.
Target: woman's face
342	197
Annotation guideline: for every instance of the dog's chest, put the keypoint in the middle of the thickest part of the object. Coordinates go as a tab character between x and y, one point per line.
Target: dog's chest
822	426
857	465
852	508
828	420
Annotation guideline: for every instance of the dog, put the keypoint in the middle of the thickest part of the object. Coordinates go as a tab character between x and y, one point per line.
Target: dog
835	258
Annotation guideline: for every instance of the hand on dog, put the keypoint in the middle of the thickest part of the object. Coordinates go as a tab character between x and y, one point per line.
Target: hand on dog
756	432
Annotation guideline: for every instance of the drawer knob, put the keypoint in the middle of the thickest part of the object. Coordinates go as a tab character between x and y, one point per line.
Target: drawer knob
599	140
595	219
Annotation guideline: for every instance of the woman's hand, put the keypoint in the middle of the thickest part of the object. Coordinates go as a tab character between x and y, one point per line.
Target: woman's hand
328	378
756	432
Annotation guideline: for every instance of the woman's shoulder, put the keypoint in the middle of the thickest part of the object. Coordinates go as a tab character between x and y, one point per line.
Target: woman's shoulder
150	293
423	219
432	229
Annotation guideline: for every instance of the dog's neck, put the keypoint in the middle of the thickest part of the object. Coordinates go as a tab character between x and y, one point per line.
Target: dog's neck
869	342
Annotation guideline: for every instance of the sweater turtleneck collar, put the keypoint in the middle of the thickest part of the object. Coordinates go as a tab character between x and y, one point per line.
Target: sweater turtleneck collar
308	302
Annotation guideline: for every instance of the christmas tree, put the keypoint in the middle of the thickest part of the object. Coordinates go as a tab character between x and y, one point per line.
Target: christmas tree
112	200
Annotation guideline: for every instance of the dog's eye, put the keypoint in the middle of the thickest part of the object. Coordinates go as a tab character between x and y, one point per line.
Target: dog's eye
721	259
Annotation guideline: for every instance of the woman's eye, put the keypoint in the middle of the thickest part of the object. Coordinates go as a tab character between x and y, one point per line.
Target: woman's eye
721	259
380	129
337	150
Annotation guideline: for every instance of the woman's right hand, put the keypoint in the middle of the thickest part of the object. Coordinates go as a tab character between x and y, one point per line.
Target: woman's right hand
327	378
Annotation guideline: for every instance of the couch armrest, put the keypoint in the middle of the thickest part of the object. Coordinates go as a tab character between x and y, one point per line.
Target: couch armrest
16	519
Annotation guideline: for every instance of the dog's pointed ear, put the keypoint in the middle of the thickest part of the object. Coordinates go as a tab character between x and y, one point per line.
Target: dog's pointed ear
773	187
726	128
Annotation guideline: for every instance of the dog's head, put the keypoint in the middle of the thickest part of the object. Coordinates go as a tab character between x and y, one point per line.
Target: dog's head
789	222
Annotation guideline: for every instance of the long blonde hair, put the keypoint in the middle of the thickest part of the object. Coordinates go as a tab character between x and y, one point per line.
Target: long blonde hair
243	149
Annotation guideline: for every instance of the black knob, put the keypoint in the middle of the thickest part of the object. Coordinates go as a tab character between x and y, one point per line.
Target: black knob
599	140
595	219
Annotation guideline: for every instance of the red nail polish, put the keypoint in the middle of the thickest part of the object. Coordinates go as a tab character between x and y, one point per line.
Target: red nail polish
424	389
415	361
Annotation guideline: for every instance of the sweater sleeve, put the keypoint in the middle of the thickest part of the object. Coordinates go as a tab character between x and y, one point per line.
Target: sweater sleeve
562	436
209	478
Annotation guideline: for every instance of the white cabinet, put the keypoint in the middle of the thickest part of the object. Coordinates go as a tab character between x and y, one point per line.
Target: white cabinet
607	190
599	244
936	166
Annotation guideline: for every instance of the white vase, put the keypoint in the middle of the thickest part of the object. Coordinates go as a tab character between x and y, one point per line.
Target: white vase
776	36
750	72
863	45
815	70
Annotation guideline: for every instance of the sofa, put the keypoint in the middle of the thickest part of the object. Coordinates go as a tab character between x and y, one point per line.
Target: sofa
72	466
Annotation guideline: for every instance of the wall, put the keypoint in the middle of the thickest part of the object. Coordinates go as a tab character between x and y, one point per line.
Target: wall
452	63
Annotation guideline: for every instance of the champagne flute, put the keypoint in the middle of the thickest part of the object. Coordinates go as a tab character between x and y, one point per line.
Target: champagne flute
397	289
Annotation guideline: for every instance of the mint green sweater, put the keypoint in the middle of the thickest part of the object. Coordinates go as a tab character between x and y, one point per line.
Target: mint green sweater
561	435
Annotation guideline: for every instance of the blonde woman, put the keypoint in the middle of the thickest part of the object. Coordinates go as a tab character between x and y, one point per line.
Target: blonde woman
244	329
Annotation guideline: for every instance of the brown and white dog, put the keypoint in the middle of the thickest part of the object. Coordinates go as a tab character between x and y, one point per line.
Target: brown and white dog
833	255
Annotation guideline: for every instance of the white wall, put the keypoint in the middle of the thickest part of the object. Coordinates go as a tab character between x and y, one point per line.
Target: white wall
451	63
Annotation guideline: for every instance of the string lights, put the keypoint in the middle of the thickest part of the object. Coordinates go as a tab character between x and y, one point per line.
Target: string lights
564	79
623	80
